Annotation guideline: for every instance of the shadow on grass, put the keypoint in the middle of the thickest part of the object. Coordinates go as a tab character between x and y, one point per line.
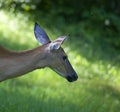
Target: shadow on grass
97	50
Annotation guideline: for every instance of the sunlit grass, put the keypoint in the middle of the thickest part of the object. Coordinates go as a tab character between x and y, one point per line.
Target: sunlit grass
11	26
97	88
17	29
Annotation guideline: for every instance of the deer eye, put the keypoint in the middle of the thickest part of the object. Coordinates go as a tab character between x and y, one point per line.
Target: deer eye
64	58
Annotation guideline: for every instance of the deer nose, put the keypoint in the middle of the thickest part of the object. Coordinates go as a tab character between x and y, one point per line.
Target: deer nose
72	77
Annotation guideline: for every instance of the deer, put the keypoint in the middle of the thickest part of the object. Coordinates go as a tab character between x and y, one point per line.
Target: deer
49	54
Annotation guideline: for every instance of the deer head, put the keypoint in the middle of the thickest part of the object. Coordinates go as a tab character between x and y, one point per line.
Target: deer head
57	59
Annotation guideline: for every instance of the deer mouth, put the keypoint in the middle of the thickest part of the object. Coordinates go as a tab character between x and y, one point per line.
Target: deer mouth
72	78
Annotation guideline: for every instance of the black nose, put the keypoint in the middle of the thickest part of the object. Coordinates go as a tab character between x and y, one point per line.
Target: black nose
72	77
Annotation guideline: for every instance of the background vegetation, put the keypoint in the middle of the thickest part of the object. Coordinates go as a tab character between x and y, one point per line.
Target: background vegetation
94	43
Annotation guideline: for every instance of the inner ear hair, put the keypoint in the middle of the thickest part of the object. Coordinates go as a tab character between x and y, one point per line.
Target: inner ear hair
54	46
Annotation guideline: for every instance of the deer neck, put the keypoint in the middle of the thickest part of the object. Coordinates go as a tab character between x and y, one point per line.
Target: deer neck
14	64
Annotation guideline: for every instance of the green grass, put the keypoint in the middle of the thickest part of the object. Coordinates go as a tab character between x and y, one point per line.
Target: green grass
96	90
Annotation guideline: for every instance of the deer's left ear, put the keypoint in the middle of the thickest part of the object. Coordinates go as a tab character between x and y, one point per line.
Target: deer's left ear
55	45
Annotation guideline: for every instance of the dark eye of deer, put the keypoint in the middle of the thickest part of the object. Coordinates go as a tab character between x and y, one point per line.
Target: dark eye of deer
64	58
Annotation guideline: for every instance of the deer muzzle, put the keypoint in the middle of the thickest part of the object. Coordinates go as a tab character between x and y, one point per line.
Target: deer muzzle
72	77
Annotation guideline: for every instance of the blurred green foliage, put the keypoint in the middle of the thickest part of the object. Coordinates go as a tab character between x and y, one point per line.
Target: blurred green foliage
100	16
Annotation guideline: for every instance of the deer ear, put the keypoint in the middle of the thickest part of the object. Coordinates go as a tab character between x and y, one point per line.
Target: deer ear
41	35
55	45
